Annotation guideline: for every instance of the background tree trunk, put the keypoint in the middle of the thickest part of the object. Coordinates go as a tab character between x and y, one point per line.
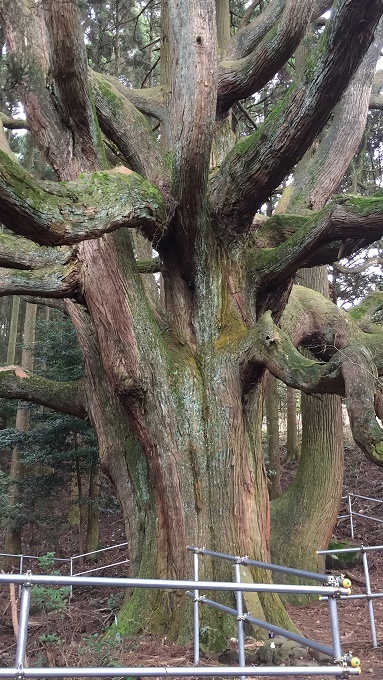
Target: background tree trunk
92	530
292	443
13	537
273	453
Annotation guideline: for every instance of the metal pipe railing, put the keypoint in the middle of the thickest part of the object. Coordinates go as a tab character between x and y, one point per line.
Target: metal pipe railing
368	596
332	590
23	624
289	635
369	600
334	625
177	671
365	548
333	651
354	513
240	618
172	584
94	552
312	575
91	571
196	610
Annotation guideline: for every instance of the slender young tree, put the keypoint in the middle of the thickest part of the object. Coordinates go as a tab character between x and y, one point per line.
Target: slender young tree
13	537
292	443
272	423
174	389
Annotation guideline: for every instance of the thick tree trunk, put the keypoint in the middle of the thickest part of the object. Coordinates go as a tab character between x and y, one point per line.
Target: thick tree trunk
173	392
304	518
201	476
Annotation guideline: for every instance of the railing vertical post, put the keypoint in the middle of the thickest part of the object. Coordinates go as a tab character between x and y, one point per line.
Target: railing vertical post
369	600
196	610
334	624
21	570
71	574
23	621
350	513
240	634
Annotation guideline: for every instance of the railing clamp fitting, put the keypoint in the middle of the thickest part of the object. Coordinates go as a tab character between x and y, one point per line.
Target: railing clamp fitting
28	579
20	672
200	598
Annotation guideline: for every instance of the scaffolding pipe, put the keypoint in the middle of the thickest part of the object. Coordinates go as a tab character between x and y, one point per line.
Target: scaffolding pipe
362	596
240	617
365	498
23	624
93	552
107	566
373	519
366	548
33	557
369	601
71	576
334	625
350	511
174	671
196	611
168	584
322	578
306	642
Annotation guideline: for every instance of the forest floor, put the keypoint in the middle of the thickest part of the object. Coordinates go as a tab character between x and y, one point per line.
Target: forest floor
74	636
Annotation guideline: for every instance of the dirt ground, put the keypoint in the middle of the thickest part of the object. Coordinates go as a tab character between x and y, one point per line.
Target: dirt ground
74	637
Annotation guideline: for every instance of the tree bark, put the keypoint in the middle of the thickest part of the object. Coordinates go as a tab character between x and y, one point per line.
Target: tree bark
304	516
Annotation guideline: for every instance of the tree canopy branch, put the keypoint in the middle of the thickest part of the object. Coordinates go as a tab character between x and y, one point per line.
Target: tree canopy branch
249	35
19	253
65	397
62	135
149	100
257	164
50	213
318	176
326	236
13	123
192	40
56	282
128	129
68	66
239	79
350	372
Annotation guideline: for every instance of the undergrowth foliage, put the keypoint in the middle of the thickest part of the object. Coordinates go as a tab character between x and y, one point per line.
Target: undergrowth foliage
51	599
